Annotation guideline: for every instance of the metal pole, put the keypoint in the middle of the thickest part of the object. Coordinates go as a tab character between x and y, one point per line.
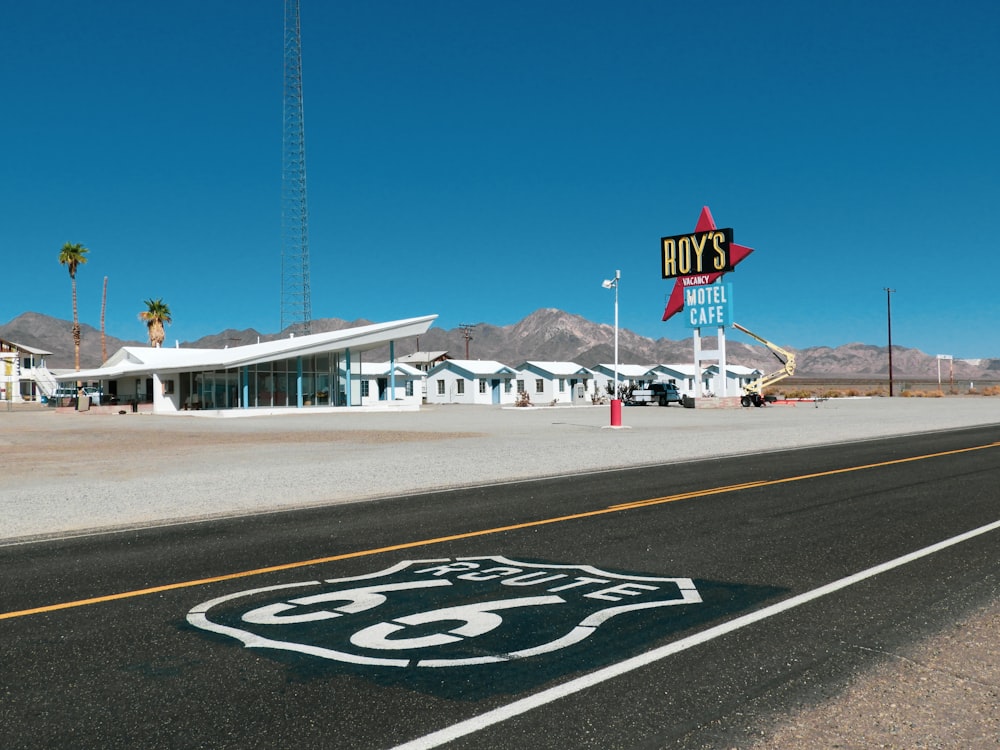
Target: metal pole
888	303
618	275
616	404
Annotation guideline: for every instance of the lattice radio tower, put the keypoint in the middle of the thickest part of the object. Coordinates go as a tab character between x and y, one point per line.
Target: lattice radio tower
296	303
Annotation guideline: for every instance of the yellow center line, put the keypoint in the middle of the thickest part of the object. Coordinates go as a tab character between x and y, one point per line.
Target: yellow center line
799	478
472	534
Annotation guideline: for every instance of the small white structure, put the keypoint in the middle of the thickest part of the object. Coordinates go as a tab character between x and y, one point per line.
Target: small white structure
423	361
628	375
552	382
685	377
470	381
737	376
23	374
379	382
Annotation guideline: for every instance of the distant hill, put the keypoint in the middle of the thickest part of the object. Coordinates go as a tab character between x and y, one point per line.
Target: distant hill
546	334
55	335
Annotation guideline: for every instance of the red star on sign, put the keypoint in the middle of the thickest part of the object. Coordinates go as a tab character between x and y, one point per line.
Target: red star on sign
736	253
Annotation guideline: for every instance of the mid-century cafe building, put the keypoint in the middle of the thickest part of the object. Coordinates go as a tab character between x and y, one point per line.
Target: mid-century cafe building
319	369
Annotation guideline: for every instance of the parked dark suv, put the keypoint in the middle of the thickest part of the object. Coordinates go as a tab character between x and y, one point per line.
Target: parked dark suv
665	393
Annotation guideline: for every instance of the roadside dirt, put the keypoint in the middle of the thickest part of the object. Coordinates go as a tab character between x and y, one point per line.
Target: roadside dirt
943	693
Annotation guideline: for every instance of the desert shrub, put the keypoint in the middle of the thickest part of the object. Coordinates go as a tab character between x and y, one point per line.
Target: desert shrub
832	394
972	392
523	399
908	394
801	393
933	394
853	393
991	390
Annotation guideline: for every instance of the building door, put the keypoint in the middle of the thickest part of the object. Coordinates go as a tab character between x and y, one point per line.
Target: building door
495	386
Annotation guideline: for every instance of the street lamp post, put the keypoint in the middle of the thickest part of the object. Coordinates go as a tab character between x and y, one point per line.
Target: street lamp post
951	367
888	309
616	404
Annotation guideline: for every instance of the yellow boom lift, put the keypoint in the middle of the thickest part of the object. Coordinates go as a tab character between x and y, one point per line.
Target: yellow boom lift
753	391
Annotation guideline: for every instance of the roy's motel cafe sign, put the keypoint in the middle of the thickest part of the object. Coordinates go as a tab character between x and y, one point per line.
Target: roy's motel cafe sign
695	261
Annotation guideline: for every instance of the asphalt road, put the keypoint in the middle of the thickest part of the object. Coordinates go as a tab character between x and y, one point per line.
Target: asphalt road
666	606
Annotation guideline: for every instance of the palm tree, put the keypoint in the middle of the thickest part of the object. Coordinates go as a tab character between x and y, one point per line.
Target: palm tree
157	313
73	256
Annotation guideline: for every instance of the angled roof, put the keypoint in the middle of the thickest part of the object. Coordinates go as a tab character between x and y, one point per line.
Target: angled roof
23	348
686	369
376	369
626	371
472	368
735	369
556	369
145	359
422	357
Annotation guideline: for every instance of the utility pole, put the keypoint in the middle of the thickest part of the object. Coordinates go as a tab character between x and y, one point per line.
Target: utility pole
296	303
467	329
104	306
888	303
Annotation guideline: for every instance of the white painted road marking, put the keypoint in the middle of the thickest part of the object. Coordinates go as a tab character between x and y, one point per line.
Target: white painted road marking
497	715
369	628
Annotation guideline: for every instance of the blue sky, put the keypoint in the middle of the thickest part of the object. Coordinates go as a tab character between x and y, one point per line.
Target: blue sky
482	160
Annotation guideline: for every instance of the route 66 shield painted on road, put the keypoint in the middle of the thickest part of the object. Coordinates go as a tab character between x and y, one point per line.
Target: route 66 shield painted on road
439	613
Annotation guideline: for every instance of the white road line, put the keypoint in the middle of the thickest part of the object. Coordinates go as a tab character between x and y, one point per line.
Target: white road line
497	715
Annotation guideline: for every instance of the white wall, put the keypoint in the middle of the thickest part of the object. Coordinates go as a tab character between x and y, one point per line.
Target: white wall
550	387
471	387
400	397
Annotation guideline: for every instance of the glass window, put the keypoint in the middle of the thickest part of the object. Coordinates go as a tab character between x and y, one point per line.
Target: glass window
482	385
520	386
539	385
460	387
364	388
440	387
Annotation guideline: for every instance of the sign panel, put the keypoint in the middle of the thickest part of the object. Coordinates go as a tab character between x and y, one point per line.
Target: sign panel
696	253
439	613
708	305
682	259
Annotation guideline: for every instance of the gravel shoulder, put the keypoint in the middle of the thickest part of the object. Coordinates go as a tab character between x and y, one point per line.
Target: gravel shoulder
76	473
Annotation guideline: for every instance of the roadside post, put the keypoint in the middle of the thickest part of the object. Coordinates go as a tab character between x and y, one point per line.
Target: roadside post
616	402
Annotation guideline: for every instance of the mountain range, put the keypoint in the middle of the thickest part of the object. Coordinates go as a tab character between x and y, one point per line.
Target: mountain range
546	335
